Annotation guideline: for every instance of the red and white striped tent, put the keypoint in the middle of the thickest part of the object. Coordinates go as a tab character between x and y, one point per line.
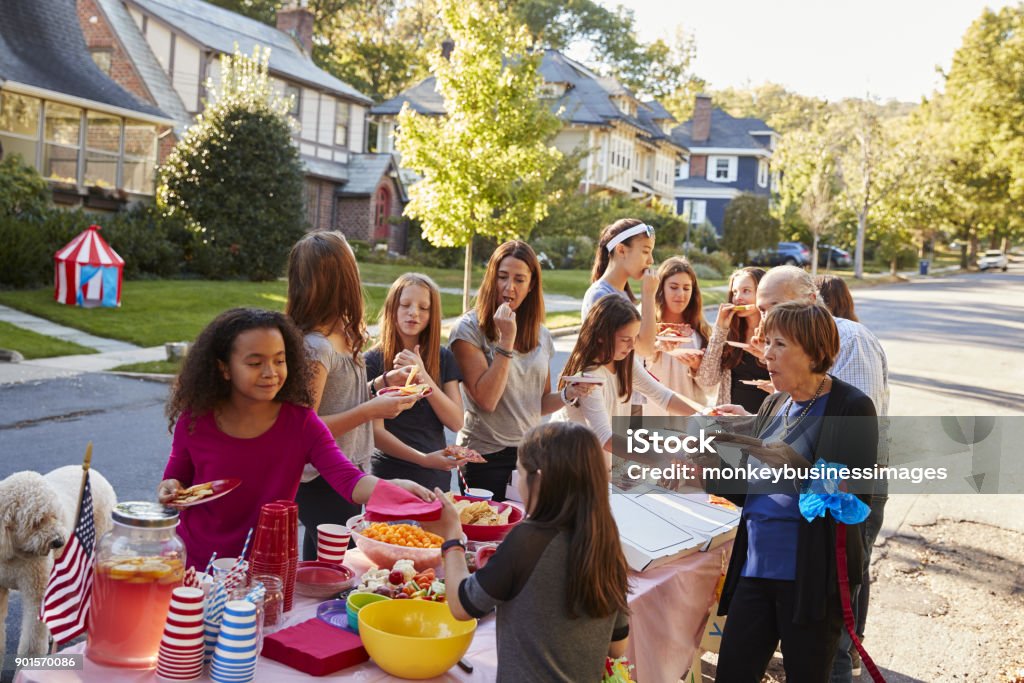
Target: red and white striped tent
87	272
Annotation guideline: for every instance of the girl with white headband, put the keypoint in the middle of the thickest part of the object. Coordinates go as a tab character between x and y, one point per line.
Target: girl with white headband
626	251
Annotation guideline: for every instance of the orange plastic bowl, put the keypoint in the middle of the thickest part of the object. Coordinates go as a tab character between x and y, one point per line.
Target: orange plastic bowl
488	532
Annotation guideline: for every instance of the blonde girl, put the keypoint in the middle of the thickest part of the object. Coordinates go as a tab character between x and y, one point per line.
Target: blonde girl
411	445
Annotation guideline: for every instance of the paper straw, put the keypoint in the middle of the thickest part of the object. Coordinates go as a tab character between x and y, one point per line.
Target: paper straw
245	548
465	486
190	578
209	565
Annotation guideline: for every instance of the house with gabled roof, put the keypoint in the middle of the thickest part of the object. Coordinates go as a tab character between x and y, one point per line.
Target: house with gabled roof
94	141
630	148
728	156
167	50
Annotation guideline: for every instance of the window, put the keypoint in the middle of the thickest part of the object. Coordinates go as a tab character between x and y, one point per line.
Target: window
722	169
762	173
140	145
295	93
341	124
683	170
102	149
695	211
19	126
102	57
63	125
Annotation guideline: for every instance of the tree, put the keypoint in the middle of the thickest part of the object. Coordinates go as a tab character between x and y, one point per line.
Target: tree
806	160
235	177
380	47
870	164
985	102
780	108
486	163
748	226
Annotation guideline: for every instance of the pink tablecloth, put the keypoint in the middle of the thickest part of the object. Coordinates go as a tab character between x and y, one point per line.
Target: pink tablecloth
669	606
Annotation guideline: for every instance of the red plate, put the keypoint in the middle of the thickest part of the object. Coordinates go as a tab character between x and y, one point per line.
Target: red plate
221	487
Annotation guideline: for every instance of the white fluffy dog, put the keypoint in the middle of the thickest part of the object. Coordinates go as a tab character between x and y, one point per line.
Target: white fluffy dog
37	515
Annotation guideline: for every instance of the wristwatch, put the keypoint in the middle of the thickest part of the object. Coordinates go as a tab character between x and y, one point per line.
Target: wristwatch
452	543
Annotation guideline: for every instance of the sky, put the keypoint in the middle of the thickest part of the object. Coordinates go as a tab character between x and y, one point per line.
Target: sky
826	48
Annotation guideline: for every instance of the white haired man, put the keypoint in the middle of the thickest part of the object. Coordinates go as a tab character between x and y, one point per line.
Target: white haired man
862	363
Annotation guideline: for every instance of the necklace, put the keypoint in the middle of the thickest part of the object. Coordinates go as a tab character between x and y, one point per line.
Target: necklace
786	426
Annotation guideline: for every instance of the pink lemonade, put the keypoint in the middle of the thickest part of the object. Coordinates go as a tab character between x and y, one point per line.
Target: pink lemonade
130	597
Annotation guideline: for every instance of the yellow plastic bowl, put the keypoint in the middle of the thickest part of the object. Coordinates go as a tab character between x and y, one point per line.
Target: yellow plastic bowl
414	638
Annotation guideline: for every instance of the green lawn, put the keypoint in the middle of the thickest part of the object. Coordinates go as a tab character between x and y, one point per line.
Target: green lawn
153	367
156	311
32	345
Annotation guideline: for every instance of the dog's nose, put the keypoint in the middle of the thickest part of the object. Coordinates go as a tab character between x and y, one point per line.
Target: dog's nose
57	543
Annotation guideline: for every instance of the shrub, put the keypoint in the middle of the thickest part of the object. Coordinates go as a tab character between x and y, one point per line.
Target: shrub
149	244
748	224
235	179
706	272
565	251
23	192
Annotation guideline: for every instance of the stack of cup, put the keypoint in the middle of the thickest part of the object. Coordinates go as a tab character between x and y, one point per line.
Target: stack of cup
180	657
288	580
234	659
270	543
331	542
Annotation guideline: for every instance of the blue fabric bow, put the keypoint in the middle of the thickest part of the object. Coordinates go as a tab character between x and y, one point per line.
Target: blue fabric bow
822	494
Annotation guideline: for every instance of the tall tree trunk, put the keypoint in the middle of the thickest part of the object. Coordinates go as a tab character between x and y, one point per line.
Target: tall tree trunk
972	252
814	254
858	251
467	275
893	263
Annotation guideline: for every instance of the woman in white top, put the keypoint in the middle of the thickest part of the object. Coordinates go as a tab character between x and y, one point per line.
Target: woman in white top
680	313
604	351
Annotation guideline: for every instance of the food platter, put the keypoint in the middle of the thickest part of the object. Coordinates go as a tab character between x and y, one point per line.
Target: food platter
203	493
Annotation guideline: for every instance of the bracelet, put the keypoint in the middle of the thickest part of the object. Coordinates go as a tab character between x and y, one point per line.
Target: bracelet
504	352
565	398
452	543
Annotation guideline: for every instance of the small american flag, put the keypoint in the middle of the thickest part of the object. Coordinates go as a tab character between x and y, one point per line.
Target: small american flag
65	604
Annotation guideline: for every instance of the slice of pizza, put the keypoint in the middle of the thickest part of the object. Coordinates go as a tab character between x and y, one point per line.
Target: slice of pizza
464	454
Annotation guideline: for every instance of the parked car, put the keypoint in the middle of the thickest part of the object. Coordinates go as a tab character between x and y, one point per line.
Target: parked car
993	259
833	257
785	253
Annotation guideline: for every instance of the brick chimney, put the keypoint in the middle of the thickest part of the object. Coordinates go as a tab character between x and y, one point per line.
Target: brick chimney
701	130
295	19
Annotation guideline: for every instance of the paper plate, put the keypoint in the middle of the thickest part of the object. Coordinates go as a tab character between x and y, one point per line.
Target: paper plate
738	345
221	487
580	379
334	613
755	382
674	339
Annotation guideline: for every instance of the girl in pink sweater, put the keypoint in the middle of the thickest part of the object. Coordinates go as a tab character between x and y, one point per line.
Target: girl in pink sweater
239	409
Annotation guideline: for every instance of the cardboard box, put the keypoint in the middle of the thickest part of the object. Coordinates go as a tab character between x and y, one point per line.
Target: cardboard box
657	526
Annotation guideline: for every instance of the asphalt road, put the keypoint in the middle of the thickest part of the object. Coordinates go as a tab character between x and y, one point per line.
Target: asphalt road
955	347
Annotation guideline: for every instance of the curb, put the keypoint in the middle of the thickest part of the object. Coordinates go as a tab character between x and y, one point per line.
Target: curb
145	376
565	331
